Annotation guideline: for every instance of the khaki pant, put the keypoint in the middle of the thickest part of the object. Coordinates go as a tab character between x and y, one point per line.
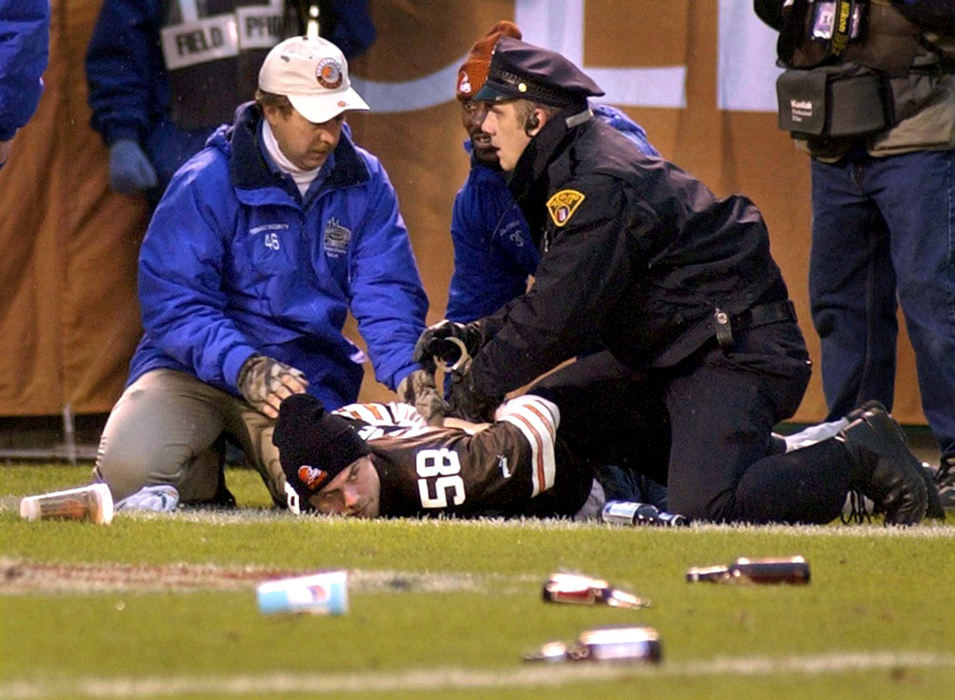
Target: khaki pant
165	429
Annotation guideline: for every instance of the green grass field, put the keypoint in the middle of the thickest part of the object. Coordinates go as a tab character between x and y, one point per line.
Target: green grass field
165	606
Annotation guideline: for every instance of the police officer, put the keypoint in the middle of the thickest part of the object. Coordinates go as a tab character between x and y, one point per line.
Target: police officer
643	265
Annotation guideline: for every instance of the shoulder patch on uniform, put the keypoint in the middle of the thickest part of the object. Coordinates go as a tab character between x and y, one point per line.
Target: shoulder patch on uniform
563	205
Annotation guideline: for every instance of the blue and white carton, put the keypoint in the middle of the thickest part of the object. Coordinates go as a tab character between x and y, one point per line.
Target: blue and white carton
324	593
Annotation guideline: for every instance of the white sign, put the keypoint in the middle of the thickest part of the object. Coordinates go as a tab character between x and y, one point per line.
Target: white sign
746	71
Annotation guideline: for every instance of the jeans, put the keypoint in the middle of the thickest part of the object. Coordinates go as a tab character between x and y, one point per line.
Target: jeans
882	231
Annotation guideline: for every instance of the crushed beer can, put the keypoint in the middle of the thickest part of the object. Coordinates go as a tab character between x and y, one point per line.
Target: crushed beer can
581	589
635	643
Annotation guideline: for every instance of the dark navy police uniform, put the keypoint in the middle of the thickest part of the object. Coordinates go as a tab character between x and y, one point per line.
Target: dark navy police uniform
669	292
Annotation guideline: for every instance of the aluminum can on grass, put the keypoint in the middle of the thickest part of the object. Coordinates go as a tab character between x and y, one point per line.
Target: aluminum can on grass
635	643
633	513
580	589
324	593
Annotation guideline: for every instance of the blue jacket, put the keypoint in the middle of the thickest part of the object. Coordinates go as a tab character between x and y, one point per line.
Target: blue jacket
234	263
24	50
129	92
493	250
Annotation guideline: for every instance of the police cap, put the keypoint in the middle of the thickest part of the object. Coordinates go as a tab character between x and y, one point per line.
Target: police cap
522	70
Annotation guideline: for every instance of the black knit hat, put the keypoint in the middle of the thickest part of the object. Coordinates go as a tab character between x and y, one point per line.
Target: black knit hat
314	445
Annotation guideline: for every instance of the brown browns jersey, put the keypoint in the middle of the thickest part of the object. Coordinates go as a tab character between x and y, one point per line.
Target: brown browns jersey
515	467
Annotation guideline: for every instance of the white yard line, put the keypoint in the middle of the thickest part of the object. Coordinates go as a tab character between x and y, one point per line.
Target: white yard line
436	679
928	528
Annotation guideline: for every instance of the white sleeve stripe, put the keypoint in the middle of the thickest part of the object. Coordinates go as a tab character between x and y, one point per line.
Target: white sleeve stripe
537	419
384	414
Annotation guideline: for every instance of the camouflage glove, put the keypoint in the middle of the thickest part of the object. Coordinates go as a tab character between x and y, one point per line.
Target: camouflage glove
264	382
467	401
452	343
419	390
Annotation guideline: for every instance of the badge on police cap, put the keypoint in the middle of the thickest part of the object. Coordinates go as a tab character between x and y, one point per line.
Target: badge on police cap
563	205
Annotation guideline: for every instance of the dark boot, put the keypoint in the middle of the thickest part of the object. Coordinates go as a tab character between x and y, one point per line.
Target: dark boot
934	508
882	467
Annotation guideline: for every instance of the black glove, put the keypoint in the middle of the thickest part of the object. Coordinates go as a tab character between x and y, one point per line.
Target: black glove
450	342
264	382
467	401
419	390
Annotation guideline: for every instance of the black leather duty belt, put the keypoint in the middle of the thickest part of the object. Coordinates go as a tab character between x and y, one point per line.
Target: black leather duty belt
770	312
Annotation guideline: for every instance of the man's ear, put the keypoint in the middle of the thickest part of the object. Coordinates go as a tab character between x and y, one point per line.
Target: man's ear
535	121
271	114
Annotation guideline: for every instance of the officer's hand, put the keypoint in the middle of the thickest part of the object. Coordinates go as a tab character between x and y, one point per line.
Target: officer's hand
264	382
419	390
129	169
467	401
450	342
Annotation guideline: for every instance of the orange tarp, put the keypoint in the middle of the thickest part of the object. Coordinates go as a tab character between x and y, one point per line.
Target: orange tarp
69	318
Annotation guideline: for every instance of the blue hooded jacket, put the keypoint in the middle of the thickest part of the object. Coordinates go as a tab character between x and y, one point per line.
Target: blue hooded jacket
24	51
235	262
493	250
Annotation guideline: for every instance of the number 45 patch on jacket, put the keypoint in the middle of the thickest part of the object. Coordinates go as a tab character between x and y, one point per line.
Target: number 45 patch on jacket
563	205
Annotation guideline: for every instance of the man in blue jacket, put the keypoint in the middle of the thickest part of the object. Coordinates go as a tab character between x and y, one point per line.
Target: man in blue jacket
163	74
261	245
494	253
24	50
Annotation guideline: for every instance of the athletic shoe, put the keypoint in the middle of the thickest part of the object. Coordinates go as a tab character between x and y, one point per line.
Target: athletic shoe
934	507
944	479
161	498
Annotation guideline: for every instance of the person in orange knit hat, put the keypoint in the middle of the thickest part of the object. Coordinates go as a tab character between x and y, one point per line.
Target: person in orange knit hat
494	253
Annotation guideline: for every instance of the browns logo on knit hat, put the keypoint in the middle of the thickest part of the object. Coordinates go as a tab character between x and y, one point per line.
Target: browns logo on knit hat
473	73
314	445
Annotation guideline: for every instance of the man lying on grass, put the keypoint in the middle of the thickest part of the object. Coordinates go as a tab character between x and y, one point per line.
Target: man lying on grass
377	460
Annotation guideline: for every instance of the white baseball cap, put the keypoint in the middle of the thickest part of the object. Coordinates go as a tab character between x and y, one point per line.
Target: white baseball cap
313	73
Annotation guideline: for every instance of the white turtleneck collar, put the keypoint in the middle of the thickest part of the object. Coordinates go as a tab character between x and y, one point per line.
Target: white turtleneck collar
302	178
